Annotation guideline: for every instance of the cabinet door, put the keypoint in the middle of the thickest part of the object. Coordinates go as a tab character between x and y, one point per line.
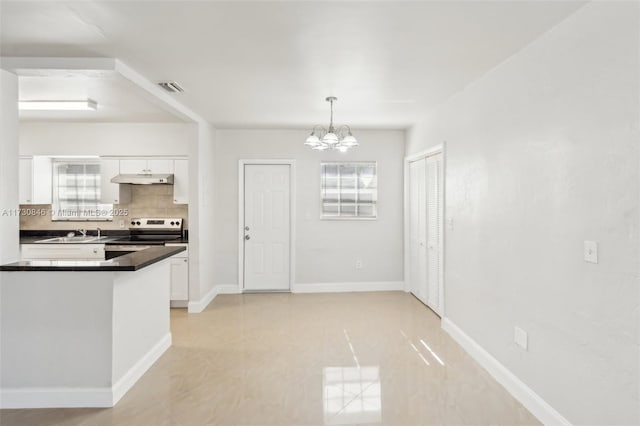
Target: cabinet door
25	181
160	165
134	166
42	179
109	192
179	278
181	182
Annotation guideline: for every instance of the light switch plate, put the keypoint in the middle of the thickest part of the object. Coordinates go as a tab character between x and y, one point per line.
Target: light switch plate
591	251
520	337
450	223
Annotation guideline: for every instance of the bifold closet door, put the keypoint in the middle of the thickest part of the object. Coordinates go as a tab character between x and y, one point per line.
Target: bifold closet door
434	233
425	229
418	229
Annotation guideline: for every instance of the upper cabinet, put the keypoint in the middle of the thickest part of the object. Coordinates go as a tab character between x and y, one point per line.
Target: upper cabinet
145	166
34	184
25	176
112	193
181	182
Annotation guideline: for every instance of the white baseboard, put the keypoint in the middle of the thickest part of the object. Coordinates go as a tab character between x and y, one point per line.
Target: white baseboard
348	287
516	387
228	289
130	378
197	306
60	397
179	304
56	398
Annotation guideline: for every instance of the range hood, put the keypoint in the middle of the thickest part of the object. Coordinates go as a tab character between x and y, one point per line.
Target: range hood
144	179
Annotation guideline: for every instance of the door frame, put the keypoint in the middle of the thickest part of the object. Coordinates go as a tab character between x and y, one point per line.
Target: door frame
435	150
292	214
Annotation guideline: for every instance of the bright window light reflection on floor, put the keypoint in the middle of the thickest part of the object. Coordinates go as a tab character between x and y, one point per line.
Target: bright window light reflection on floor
351	395
432	352
353	352
415	348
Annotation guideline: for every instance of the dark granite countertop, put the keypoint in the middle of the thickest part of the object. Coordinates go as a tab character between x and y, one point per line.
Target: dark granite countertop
128	262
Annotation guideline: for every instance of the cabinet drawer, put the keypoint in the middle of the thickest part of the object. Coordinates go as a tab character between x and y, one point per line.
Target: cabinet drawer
62	251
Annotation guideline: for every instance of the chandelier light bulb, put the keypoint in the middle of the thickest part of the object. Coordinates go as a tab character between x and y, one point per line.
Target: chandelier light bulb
349	141
312	140
330	139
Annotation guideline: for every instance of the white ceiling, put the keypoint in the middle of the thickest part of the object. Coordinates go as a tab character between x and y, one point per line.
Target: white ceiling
271	64
119	100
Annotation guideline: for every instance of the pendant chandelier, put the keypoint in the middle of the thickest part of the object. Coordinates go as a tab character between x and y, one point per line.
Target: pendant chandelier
322	138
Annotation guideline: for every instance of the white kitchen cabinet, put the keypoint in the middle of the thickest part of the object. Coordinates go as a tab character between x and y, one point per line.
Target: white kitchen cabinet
34	180
181	182
179	264
25	181
62	251
137	166
112	193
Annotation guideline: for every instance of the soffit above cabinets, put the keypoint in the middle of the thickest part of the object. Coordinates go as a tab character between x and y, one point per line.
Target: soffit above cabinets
118	99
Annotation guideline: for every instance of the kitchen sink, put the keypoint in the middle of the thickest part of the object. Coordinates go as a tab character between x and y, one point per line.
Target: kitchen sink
75	240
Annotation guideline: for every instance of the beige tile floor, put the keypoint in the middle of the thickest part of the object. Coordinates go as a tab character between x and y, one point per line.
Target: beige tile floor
284	359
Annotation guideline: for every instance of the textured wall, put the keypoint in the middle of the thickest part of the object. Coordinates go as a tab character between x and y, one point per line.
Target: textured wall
542	154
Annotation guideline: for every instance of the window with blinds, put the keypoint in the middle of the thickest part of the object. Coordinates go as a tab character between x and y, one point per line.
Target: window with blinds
349	190
76	191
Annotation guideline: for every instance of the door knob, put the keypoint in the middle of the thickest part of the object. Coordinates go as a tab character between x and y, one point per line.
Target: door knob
246	237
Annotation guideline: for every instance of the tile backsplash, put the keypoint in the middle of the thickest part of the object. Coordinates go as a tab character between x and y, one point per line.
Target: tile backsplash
146	201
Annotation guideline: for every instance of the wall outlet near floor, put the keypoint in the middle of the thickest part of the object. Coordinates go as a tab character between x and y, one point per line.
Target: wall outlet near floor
358	263
520	337
591	251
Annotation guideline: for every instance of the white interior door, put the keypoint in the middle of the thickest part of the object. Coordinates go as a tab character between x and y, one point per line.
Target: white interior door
267	226
434	233
425	230
418	229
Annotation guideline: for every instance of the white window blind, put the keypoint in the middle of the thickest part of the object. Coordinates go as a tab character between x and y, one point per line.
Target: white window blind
76	191
349	190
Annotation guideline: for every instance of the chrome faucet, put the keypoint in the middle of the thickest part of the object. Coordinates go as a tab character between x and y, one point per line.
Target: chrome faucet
83	232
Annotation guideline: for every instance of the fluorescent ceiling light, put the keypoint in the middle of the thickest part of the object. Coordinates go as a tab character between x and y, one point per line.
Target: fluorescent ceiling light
83	105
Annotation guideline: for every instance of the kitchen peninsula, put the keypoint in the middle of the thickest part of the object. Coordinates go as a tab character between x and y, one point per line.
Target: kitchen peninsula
80	333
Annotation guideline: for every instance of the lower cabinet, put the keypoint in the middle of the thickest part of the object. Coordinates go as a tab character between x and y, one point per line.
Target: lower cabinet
62	251
179	278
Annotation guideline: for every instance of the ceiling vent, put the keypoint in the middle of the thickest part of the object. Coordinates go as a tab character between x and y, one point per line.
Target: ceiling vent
171	86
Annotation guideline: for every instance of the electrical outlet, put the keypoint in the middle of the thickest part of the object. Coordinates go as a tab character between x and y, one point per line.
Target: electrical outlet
358	263
121	224
591	251
520	337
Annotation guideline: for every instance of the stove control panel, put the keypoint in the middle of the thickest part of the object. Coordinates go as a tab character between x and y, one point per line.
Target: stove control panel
157	223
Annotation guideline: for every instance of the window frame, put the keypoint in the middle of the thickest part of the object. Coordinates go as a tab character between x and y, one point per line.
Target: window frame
374	204
103	211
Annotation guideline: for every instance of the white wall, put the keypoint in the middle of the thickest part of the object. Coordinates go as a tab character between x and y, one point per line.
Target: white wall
542	154
9	223
105	138
201	265
56	330
326	250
